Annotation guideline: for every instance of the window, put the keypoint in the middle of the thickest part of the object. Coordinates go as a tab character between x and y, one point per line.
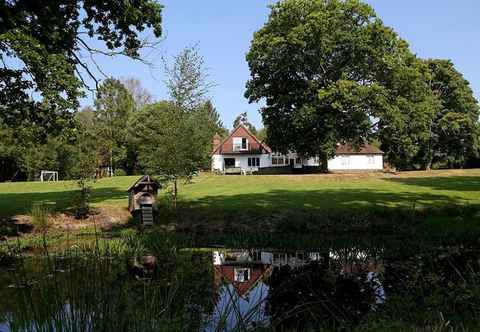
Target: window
240	143
241	275
229	162
345	160
298	160
279	160
255	162
370	160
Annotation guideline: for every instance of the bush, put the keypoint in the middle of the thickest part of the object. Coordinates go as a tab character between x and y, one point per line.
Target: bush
82	200
39	213
128	233
120	172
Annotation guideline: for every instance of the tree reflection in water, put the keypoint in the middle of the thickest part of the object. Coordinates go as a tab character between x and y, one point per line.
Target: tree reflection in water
288	289
244	289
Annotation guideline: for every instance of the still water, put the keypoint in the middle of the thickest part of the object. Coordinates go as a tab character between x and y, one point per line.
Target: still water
235	289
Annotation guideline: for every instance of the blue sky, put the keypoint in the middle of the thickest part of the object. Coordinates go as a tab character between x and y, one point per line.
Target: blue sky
223	30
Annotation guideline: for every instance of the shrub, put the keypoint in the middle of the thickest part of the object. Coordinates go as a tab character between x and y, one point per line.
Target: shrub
39	213
120	172
82	200
128	233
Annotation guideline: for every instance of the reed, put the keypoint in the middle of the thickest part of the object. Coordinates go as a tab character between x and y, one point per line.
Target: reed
87	286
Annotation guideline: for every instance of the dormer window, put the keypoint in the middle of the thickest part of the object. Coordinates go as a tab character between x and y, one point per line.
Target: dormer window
241	274
240	144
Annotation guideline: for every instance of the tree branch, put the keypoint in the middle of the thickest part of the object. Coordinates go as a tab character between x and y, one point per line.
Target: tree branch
84	66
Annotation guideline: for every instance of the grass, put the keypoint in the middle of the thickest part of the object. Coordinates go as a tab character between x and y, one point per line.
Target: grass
444	194
445	199
18	197
325	192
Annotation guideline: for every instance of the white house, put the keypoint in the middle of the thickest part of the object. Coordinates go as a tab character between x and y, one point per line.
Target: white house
241	151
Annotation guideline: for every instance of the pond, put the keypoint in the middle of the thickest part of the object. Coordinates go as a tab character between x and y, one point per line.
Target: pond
331	287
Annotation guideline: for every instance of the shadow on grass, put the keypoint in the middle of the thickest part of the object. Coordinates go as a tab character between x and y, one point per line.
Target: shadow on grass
454	183
21	203
322	200
318	211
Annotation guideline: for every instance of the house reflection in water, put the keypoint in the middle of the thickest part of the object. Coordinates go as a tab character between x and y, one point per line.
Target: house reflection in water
242	278
242	269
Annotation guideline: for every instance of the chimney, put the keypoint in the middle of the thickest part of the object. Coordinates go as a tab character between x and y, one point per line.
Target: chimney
217	140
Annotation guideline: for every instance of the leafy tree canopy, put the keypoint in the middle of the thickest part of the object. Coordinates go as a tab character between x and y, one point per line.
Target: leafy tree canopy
170	142
141	95
41	44
174	138
262	134
242	119
188	80
114	106
330	72
453	130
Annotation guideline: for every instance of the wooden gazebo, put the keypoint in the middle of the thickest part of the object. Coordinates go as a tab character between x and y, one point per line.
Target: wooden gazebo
142	196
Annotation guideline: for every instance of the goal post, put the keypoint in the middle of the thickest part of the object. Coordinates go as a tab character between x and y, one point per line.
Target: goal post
48	176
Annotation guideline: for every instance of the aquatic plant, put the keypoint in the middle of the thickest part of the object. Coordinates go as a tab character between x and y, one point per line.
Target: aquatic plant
39	213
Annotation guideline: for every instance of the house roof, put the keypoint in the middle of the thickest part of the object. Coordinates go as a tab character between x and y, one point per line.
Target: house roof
257	147
145	180
258	273
343	149
226	147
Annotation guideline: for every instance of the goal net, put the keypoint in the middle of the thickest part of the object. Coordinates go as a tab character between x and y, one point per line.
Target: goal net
48	176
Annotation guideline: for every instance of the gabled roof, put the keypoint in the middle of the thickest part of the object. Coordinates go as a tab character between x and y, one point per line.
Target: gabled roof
261	145
259	273
145	180
343	149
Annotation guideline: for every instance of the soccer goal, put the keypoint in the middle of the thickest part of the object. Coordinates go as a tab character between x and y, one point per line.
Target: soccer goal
48	176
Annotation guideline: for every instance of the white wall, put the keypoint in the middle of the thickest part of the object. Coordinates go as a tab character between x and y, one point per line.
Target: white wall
356	162
350	162
266	257
241	161
311	162
218	258
287	157
339	163
217	162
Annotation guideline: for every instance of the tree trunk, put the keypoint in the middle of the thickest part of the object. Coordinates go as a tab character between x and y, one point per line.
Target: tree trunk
323	160
428	164
175	189
111	162
14	175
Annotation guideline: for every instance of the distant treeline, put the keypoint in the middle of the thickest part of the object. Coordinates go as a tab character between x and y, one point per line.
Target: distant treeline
111	135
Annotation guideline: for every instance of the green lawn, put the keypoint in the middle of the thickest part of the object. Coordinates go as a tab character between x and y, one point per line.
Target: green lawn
17	197
327	192
274	194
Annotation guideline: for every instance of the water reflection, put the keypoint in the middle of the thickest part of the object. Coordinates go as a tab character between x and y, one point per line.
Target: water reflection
287	288
237	289
240	276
